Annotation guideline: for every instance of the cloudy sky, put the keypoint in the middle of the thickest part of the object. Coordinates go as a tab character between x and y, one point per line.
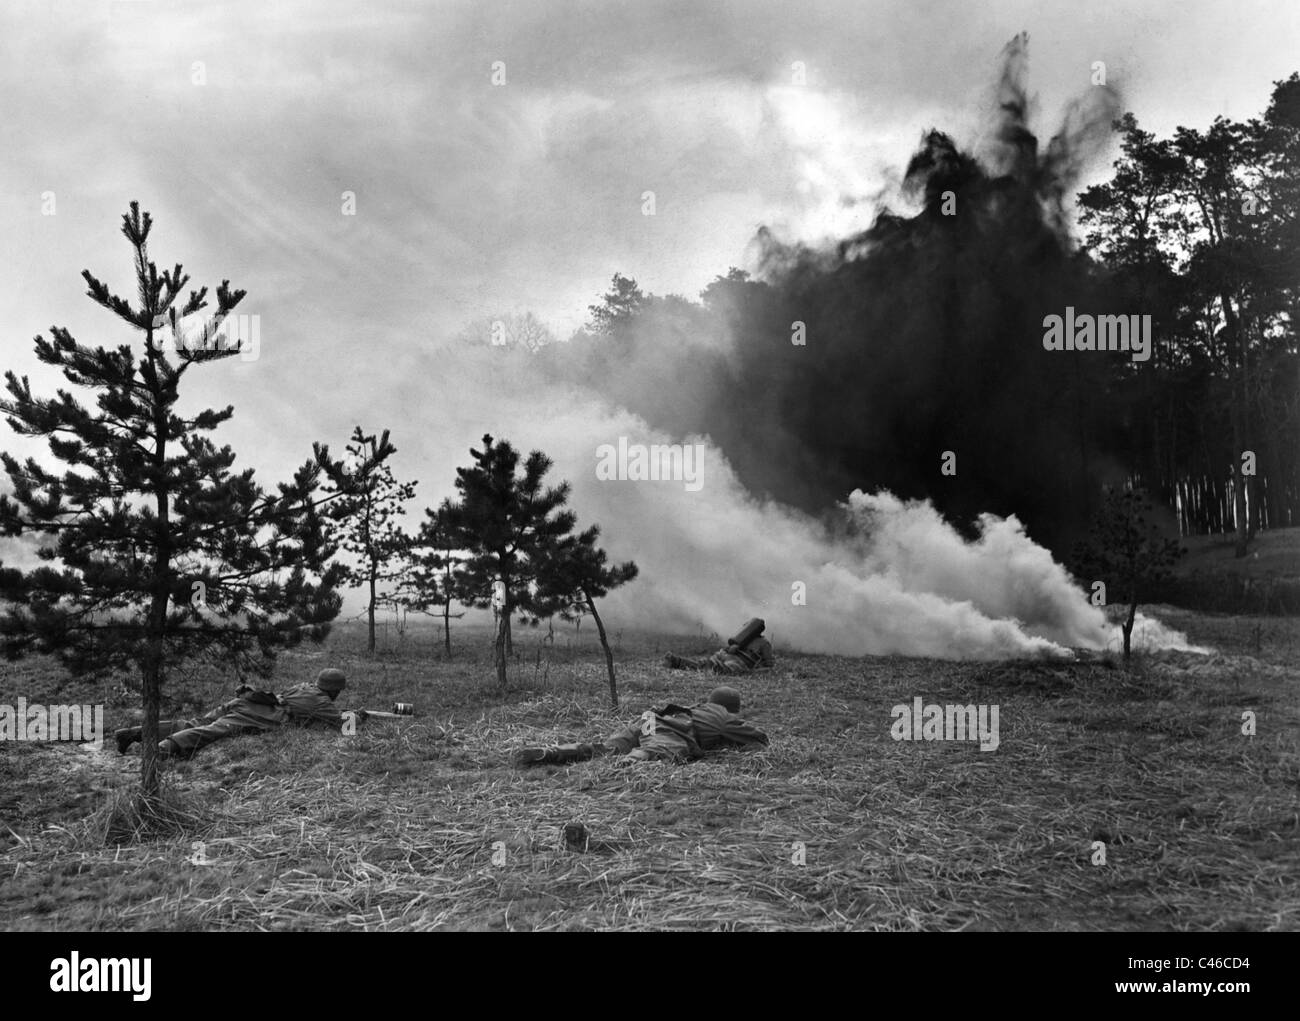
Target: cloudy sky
241	126
472	198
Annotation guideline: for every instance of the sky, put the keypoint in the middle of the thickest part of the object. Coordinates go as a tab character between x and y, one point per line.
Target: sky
474	198
243	128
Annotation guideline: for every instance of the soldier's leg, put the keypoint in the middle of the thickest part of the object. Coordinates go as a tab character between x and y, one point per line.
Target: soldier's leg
560	754
128	736
623	741
184	743
664	743
675	662
620	742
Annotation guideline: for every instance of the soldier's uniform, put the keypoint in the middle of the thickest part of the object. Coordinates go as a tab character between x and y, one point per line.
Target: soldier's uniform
732	660
747	650
678	733
674	733
254	712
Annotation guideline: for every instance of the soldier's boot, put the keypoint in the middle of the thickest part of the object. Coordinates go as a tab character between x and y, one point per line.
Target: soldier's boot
528	756
563	754
126	737
169	749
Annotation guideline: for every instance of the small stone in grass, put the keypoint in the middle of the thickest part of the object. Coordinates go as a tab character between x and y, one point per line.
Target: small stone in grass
576	837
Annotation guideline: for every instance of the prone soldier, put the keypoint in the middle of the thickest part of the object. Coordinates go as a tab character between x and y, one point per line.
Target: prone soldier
675	733
747	650
250	712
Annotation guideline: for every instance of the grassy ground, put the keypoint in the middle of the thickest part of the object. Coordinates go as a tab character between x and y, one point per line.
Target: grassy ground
424	824
1212	578
1272	553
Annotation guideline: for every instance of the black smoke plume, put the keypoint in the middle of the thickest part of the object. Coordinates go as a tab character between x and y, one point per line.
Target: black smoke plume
923	334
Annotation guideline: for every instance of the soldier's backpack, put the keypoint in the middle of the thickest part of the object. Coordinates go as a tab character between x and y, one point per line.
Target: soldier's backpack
258	697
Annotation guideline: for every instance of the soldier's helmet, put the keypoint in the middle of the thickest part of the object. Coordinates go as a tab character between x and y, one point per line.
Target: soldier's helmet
331	681
728	698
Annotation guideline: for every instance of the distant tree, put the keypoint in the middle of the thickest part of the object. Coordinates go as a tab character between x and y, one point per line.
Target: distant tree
724	286
155	552
1127	551
572	577
618	305
368	515
432	580
505	520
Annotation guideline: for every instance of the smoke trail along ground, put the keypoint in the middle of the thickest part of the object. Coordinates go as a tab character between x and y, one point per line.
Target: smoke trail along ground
894	578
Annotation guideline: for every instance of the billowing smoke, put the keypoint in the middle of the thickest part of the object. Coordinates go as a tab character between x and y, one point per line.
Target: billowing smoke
858	364
878	575
922	335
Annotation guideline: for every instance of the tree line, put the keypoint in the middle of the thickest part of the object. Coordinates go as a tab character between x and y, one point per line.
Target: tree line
1202	230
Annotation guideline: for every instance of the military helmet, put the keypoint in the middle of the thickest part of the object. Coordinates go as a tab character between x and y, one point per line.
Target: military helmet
331	680
728	698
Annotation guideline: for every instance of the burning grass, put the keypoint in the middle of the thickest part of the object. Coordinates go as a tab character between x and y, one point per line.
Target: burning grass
423	824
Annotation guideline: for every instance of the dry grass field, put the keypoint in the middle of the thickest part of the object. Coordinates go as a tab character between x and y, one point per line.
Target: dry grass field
424	824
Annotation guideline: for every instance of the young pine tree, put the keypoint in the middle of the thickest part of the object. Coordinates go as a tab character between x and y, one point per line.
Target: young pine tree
1127	552
368	514
432	580
505	520
572	577
154	549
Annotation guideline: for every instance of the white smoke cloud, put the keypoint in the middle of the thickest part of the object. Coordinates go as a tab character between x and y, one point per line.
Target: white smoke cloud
899	580
1149	635
1003	573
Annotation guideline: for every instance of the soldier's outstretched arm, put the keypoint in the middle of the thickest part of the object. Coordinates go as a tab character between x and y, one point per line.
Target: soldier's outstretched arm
744	734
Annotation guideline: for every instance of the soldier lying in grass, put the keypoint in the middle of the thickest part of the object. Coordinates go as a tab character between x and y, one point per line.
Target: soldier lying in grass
251	712
744	652
673	733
